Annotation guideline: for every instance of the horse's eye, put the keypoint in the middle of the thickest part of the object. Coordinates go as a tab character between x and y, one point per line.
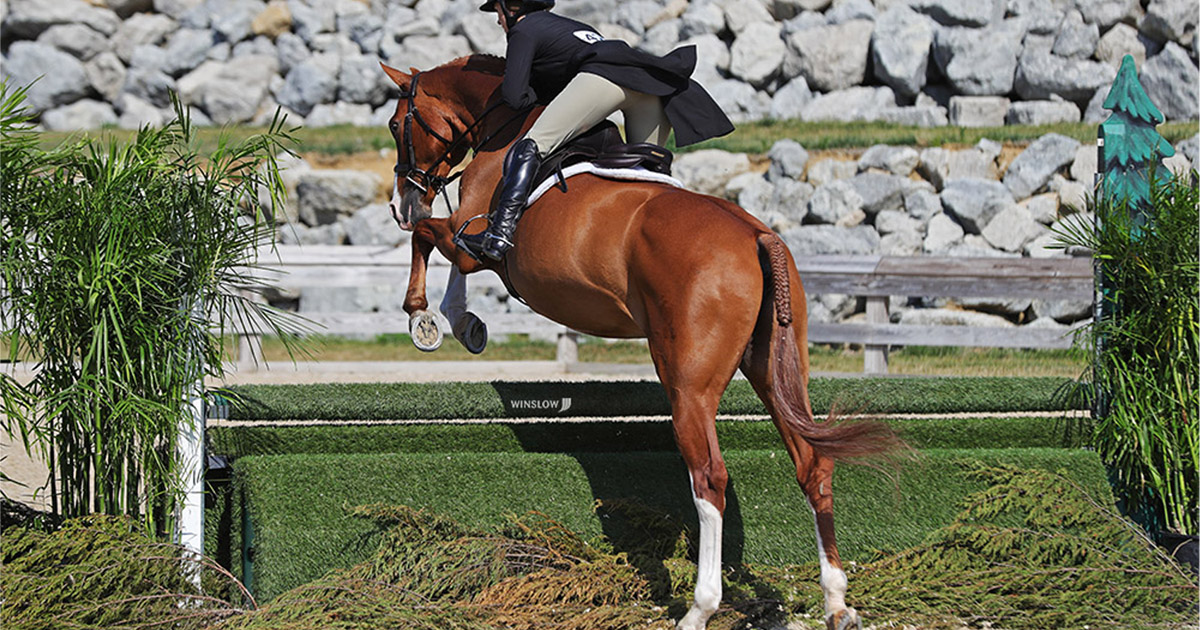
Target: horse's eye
393	125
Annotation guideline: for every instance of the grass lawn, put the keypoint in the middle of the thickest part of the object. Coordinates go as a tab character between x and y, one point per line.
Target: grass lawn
911	361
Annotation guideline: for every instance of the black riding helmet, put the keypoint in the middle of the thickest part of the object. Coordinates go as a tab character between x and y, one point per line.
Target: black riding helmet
526	6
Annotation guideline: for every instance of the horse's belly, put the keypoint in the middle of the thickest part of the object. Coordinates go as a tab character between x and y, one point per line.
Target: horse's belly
589	312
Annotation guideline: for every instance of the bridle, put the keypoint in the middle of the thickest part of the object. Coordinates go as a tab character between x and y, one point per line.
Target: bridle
432	181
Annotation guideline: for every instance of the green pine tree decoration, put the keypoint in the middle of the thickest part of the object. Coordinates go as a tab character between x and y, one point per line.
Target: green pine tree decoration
1132	147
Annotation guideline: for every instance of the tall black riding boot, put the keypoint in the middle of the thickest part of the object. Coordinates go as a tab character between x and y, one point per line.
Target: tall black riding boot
520	167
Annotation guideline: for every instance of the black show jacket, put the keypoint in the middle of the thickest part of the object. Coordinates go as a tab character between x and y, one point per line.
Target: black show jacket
546	51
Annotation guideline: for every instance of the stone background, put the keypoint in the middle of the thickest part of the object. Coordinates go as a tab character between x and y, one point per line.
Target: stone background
922	62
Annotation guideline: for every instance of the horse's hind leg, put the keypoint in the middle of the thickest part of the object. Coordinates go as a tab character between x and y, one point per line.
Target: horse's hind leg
695	366
814	472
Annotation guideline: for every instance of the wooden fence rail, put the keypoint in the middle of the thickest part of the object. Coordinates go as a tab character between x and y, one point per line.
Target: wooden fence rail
874	278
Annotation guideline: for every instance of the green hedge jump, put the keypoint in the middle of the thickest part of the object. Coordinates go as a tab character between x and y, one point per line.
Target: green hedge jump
434	401
295	504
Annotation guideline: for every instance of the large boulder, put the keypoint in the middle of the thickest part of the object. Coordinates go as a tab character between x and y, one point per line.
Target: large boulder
757	53
1041	16
1043	112
327	194
835	202
186	49
373	225
739	100
1041	74
916	116
27	61
939	165
818	240
76	39
900	49
961	12
789	101
310	83
856	103
84	114
1173	83
880	191
1120	40
788	159
360	81
833	57
1106	13
978	111
941	234
229	92
709	170
142	29
1032	169
974	202
1076	39
26	19
895	160
1012	228
106	74
1170	21
425	52
979	62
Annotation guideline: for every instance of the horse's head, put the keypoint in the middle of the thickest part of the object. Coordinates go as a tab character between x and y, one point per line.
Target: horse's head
425	143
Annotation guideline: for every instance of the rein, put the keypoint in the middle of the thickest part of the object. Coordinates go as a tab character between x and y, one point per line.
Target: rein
438	183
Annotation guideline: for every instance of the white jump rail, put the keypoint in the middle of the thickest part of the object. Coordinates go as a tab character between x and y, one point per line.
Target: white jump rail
875	278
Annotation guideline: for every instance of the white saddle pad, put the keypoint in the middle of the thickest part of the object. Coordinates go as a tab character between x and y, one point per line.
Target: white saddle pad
631	174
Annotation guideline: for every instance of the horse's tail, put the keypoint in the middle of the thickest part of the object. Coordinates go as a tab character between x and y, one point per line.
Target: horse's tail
787	379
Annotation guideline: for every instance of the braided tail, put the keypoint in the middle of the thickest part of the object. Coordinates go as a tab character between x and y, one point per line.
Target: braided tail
789	380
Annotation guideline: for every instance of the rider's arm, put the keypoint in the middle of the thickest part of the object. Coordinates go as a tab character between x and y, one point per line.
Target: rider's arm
518	66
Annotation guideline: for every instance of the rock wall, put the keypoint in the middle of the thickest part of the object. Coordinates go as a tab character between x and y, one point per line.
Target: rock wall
985	200
922	62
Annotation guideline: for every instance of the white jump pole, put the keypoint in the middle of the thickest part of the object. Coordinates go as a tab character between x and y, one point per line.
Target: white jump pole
193	462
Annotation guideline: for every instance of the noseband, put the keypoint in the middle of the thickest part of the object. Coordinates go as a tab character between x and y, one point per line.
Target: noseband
434	182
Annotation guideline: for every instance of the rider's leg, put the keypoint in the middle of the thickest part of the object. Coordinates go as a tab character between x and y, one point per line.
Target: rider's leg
645	119
587	100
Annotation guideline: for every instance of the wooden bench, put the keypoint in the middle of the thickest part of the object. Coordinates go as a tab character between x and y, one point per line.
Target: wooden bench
875	278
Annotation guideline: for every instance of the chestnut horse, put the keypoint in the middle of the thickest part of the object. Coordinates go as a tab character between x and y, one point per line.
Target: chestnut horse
710	287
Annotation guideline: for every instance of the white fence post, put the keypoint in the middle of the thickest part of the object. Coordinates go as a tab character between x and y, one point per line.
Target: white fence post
875	357
568	347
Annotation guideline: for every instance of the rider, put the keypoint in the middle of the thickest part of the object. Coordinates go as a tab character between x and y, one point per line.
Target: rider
582	78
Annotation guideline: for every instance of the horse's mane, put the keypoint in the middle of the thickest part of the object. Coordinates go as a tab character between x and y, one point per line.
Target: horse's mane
478	62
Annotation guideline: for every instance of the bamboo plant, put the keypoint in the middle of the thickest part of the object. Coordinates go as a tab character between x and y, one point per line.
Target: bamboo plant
1146	350
122	266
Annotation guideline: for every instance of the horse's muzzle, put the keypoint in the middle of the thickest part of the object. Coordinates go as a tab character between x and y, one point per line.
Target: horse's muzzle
408	207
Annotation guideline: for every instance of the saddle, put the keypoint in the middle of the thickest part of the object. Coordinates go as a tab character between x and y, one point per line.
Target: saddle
602	145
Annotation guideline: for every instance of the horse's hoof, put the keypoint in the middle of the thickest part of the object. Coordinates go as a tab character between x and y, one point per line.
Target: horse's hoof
845	619
471	332
424	330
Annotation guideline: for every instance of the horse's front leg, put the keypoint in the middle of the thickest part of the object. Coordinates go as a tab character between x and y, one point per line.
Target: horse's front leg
422	324
470	331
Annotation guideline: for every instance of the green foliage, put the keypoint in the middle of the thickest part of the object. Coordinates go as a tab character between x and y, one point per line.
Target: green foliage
432	401
117	262
1032	550
1146	351
432	572
297	503
1026	549
104	573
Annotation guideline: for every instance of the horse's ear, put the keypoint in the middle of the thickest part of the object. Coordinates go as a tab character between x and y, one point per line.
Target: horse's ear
401	79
